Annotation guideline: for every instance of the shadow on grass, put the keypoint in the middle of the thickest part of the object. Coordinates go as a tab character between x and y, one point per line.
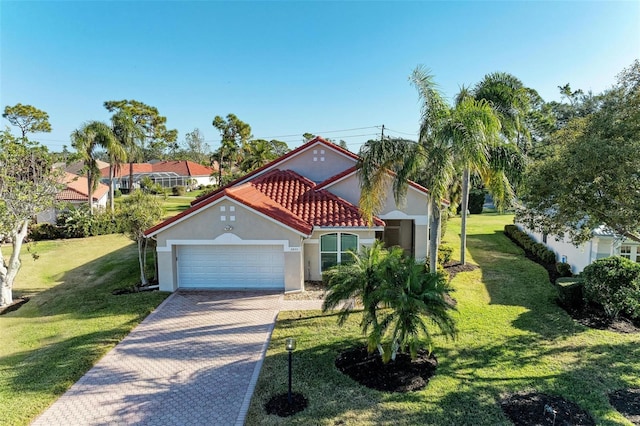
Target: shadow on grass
467	388
513	280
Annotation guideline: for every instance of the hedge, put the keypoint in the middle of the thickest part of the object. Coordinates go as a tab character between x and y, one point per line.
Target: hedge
570	292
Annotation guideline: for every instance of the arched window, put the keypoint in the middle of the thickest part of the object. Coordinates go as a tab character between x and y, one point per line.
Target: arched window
334	248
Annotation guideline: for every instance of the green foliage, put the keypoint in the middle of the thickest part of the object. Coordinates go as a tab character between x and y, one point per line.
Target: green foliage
178	190
564	269
28	118
444	254
476	201
588	174
117	193
570	292
538	250
614	283
44	231
78	223
150	187
152	133
397	295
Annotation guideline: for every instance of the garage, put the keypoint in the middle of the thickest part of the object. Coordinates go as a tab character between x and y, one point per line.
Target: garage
231	266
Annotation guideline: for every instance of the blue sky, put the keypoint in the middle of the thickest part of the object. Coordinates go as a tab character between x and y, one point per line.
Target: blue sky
292	67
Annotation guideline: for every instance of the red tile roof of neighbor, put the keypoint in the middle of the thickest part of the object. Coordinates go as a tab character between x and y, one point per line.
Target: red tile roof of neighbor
180	167
289	198
77	189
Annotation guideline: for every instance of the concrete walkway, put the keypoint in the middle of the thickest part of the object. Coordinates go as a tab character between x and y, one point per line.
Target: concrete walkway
193	361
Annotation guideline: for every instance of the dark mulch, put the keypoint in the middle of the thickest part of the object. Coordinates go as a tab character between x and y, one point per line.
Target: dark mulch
279	404
532	408
593	316
627	402
454	268
17	303
401	375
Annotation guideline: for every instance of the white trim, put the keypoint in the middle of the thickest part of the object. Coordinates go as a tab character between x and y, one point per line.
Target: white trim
225	198
422	220
330	229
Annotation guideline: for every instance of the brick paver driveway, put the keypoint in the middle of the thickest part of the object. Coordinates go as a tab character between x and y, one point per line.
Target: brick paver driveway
193	361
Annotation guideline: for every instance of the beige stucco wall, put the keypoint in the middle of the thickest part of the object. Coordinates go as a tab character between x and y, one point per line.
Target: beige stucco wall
312	271
208	227
318	163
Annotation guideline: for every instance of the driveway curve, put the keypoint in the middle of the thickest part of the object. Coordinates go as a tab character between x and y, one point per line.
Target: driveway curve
194	360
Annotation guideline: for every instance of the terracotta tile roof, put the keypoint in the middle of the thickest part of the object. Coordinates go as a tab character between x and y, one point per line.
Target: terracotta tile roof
289	198
180	167
76	189
317	207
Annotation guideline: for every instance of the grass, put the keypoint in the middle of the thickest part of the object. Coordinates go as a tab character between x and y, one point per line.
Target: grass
71	321
512	337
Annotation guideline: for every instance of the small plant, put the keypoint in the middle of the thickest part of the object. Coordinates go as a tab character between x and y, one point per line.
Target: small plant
179	190
564	269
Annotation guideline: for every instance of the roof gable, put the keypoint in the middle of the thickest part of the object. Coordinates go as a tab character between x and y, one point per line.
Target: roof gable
77	189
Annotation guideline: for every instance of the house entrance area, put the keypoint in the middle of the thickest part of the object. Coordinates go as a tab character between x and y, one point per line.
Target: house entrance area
398	233
231	266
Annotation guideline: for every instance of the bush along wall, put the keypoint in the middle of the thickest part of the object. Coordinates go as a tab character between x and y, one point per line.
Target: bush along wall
78	223
570	292
614	284
538	252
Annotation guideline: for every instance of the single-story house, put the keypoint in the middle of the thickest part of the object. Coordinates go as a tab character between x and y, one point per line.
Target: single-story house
603	243
166	173
282	224
75	194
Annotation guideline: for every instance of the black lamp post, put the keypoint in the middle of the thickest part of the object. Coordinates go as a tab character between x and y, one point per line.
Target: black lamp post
291	346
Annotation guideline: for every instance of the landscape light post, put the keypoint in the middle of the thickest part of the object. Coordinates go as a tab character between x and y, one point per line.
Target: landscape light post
290	344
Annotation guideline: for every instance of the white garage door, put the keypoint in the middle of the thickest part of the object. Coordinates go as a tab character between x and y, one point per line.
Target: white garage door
230	267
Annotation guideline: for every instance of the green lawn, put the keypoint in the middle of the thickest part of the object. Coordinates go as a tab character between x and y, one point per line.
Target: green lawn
70	322
512	337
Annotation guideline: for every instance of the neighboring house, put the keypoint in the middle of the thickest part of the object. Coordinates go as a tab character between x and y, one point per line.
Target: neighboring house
78	167
283	224
75	194
166	173
604	243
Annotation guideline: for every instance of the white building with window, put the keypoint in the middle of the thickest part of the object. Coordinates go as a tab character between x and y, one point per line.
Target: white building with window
604	243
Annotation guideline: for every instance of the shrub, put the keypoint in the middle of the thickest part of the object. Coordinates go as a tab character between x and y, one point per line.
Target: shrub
476	201
614	283
570	292
43	231
564	269
117	193
178	190
444	254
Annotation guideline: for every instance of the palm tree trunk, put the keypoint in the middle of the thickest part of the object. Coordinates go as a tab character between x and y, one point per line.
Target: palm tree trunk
111	189
463	214
143	277
434	226
130	178
90	191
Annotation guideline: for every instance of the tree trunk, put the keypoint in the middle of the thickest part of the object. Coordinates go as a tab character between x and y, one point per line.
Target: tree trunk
111	190
143	277
9	271
434	232
130	178
90	191
463	214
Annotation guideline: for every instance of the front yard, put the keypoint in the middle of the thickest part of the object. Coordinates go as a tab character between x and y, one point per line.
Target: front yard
71	320
512	338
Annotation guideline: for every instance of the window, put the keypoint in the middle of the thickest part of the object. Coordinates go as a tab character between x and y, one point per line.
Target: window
334	249
625	251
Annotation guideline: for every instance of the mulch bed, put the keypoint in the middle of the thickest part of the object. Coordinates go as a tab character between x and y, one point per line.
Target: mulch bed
627	402
401	375
593	316
454	268
17	303
279	404
532	408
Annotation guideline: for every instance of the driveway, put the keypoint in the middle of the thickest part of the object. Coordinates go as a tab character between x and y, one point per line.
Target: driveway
193	361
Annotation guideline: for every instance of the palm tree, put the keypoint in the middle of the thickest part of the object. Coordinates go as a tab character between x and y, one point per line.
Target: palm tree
473	128
126	133
85	140
431	158
397	296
